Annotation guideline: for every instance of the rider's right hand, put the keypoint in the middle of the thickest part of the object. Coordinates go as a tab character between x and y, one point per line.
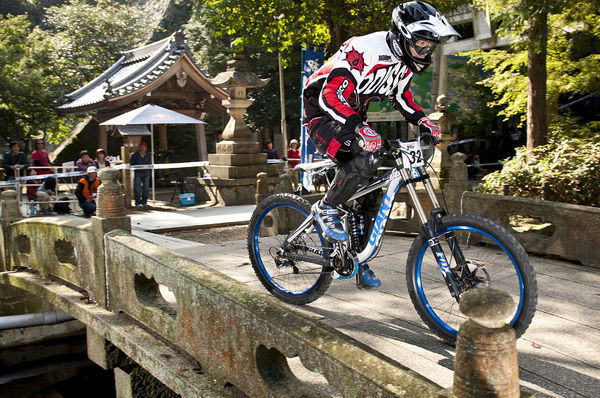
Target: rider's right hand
368	139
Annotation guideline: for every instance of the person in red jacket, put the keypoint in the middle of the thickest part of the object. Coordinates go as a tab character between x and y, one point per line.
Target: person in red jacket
365	69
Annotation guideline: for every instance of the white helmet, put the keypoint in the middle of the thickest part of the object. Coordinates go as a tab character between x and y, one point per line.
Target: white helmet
420	26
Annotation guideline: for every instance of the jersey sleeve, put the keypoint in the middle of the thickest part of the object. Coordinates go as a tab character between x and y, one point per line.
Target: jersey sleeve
337	96
404	102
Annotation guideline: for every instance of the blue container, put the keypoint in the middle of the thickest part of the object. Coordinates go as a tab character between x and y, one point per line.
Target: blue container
187	199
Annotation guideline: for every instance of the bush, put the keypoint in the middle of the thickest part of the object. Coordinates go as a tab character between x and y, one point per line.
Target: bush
570	167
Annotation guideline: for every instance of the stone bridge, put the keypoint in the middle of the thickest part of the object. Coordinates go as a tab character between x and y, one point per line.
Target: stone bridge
199	332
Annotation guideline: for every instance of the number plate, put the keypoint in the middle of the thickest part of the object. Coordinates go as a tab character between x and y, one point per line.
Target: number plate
411	154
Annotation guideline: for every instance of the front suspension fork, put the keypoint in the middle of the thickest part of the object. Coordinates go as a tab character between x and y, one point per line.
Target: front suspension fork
430	226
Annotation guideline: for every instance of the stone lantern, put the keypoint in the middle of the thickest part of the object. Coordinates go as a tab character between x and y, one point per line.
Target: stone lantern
233	169
441	159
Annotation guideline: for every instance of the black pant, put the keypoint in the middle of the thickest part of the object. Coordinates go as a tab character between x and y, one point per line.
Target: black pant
355	165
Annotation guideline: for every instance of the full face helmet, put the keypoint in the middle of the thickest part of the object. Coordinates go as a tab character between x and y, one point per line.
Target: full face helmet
418	25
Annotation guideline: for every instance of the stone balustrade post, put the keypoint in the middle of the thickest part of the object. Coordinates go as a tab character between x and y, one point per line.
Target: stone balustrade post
111	215
10	206
486	363
262	187
10	214
285	183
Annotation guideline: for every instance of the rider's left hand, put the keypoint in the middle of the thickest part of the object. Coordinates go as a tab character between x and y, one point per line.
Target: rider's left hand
428	131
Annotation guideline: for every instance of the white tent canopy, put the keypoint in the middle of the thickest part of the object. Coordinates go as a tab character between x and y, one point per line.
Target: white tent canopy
151	114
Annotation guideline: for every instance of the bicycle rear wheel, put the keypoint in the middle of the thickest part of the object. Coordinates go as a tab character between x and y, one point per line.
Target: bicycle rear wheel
292	273
493	258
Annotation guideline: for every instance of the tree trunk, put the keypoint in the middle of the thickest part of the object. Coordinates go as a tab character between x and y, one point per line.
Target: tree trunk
537	123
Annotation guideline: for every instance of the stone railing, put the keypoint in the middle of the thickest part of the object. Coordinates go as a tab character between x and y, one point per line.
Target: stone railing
572	230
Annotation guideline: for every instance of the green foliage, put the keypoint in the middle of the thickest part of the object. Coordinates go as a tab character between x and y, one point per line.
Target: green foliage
570	167
28	87
87	37
473	116
573	57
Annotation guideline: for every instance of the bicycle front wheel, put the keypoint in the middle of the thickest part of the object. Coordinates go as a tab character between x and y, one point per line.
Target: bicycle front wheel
295	272
493	258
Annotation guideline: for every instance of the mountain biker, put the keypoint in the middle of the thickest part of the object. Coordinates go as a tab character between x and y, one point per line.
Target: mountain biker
336	97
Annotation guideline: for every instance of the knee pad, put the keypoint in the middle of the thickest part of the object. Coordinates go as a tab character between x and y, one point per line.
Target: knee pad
351	176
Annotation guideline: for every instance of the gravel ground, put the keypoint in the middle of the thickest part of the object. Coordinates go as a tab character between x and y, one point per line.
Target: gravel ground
212	235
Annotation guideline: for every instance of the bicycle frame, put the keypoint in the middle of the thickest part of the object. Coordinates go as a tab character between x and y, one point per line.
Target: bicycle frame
397	178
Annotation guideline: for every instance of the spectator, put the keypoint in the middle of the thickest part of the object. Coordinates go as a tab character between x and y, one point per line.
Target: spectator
141	177
293	154
87	190
85	161
213	148
15	162
101	161
270	151
45	193
31	191
41	158
474	167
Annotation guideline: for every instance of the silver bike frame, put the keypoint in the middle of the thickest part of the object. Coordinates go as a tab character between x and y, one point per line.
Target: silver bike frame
398	178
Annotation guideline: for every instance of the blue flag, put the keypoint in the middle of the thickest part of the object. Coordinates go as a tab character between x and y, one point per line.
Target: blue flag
312	60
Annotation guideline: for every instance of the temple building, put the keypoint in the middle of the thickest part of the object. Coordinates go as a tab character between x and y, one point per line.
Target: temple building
163	73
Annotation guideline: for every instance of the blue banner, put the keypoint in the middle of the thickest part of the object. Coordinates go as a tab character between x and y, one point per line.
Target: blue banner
311	61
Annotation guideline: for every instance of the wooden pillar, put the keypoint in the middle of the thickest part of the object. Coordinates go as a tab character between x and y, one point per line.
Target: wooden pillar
201	139
163	145
102	143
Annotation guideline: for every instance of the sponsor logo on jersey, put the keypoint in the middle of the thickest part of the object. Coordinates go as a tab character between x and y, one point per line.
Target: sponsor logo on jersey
355	59
383	80
385	57
340	92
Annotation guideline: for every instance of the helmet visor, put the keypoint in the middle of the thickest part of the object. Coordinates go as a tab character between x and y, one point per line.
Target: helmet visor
424	47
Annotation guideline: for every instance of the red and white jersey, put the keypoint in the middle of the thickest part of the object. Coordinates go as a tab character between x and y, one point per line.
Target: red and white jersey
362	71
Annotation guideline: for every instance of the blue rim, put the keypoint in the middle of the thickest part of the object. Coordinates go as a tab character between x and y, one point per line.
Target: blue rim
419	285
259	258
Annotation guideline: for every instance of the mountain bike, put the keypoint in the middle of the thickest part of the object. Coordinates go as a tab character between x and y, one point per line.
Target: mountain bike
452	253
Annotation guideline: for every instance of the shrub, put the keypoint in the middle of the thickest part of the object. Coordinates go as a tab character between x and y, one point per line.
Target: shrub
570	167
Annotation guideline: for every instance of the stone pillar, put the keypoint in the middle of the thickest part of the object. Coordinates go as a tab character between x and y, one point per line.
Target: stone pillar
110	215
123	384
441	159
458	184
102	142
10	206
486	363
262	187
163	144
238	159
10	214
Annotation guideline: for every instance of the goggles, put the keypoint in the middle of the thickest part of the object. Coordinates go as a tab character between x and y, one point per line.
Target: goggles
424	47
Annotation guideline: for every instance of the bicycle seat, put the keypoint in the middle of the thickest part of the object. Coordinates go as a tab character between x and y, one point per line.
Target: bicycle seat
321	165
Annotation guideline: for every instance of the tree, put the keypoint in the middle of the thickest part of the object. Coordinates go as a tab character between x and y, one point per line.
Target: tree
544	34
88	37
28	86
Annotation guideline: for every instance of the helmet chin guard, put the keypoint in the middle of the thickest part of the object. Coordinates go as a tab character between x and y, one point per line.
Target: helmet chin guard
418	26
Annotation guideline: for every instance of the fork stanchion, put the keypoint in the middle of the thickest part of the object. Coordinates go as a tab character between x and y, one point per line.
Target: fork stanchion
486	363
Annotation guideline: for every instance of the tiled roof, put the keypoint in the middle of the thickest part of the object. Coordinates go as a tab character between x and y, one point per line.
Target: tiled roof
135	70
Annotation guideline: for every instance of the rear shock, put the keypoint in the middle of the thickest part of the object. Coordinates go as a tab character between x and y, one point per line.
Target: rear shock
355	229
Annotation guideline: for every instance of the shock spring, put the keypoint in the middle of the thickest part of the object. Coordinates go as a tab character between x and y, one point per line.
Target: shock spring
354	230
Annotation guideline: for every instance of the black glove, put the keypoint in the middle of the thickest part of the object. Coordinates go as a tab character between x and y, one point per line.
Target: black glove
428	131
